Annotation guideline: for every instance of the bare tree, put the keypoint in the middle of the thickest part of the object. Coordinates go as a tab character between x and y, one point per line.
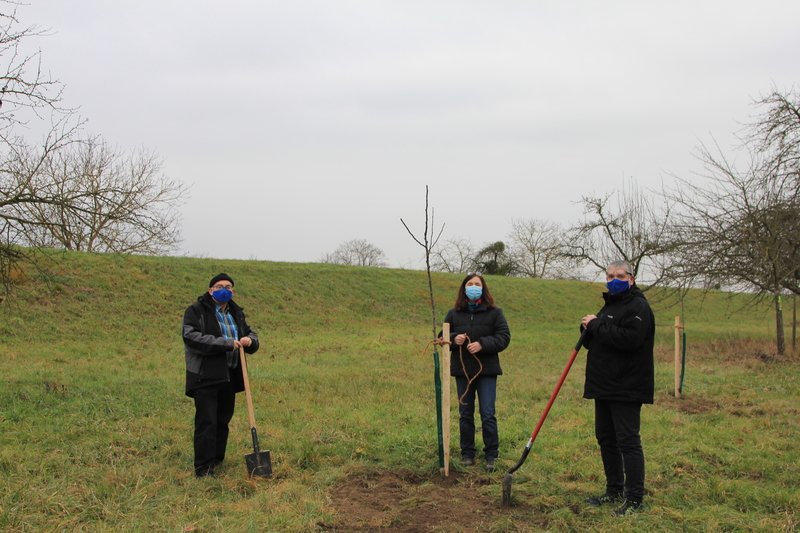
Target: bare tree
25	93
356	252
739	229
78	195
430	237
428	240
777	132
634	227
454	255
535	247
24	84
105	201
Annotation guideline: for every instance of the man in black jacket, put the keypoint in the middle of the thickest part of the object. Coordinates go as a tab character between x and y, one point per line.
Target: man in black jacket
619	377
214	328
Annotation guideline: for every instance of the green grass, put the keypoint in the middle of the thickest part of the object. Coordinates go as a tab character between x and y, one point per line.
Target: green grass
95	432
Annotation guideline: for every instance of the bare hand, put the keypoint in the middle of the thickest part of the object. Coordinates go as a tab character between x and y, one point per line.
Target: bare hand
474	347
460	338
236	344
246	341
588	318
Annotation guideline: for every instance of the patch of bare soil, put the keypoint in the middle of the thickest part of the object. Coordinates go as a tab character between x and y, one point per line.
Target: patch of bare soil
403	501
691	405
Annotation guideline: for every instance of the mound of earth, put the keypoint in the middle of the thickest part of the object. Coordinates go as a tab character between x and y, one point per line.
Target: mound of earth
403	501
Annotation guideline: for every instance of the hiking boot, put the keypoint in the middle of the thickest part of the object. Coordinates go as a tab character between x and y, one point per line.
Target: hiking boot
603	499
467	461
490	464
629	507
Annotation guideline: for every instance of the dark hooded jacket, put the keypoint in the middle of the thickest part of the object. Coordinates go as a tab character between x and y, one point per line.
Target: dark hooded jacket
619	365
207	349
487	326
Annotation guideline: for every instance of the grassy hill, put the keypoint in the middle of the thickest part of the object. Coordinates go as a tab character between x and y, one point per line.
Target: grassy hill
95	432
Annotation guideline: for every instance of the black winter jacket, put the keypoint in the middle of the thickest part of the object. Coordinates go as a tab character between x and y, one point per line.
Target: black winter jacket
206	348
484	325
619	365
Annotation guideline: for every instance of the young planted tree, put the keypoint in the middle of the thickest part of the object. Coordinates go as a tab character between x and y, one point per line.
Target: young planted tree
428	241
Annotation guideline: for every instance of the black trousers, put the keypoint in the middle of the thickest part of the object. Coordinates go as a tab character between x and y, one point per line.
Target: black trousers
213	411
616	426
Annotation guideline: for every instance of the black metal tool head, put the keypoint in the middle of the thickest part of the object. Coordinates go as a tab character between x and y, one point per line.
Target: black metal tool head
258	464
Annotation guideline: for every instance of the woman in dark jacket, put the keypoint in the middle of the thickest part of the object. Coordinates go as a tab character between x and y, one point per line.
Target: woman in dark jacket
478	333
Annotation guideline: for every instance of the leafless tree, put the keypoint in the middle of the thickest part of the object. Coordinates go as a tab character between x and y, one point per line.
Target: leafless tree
455	256
356	252
60	191
741	223
23	83
628	225
26	93
776	132
535	247
739	228
102	201
428	241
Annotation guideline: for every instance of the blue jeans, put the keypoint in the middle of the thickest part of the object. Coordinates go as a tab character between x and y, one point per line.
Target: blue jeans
486	387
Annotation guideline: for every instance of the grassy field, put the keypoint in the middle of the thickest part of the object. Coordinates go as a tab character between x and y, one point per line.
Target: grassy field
95	432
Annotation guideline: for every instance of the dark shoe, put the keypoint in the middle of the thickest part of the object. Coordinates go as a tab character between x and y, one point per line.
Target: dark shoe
629	507
467	461
209	471
490	464
603	499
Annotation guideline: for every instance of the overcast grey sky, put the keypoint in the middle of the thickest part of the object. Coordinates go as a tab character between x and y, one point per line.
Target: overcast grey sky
316	122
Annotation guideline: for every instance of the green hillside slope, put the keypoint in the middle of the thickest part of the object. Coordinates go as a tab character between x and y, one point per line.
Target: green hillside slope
95	432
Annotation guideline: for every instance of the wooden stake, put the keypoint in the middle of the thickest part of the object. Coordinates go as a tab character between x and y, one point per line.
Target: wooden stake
446	397
678	345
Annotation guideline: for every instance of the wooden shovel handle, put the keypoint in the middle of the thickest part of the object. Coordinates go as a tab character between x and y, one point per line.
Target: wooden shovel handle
250	412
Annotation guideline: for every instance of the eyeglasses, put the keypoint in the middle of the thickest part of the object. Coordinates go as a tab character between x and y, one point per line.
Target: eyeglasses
476	273
220	287
621	275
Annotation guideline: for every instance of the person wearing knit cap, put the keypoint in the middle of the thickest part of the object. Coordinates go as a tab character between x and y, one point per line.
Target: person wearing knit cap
214	328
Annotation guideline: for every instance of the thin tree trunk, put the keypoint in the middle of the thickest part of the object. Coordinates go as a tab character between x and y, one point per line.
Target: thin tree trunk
794	323
779	323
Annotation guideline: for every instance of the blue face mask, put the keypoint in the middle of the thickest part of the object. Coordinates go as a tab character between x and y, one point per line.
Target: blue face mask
473	292
223	296
618	286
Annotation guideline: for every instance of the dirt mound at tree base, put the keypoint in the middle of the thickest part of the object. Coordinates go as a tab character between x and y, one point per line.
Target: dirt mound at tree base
403	501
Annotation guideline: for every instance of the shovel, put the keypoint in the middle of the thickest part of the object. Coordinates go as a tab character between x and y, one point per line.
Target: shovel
258	463
507	480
